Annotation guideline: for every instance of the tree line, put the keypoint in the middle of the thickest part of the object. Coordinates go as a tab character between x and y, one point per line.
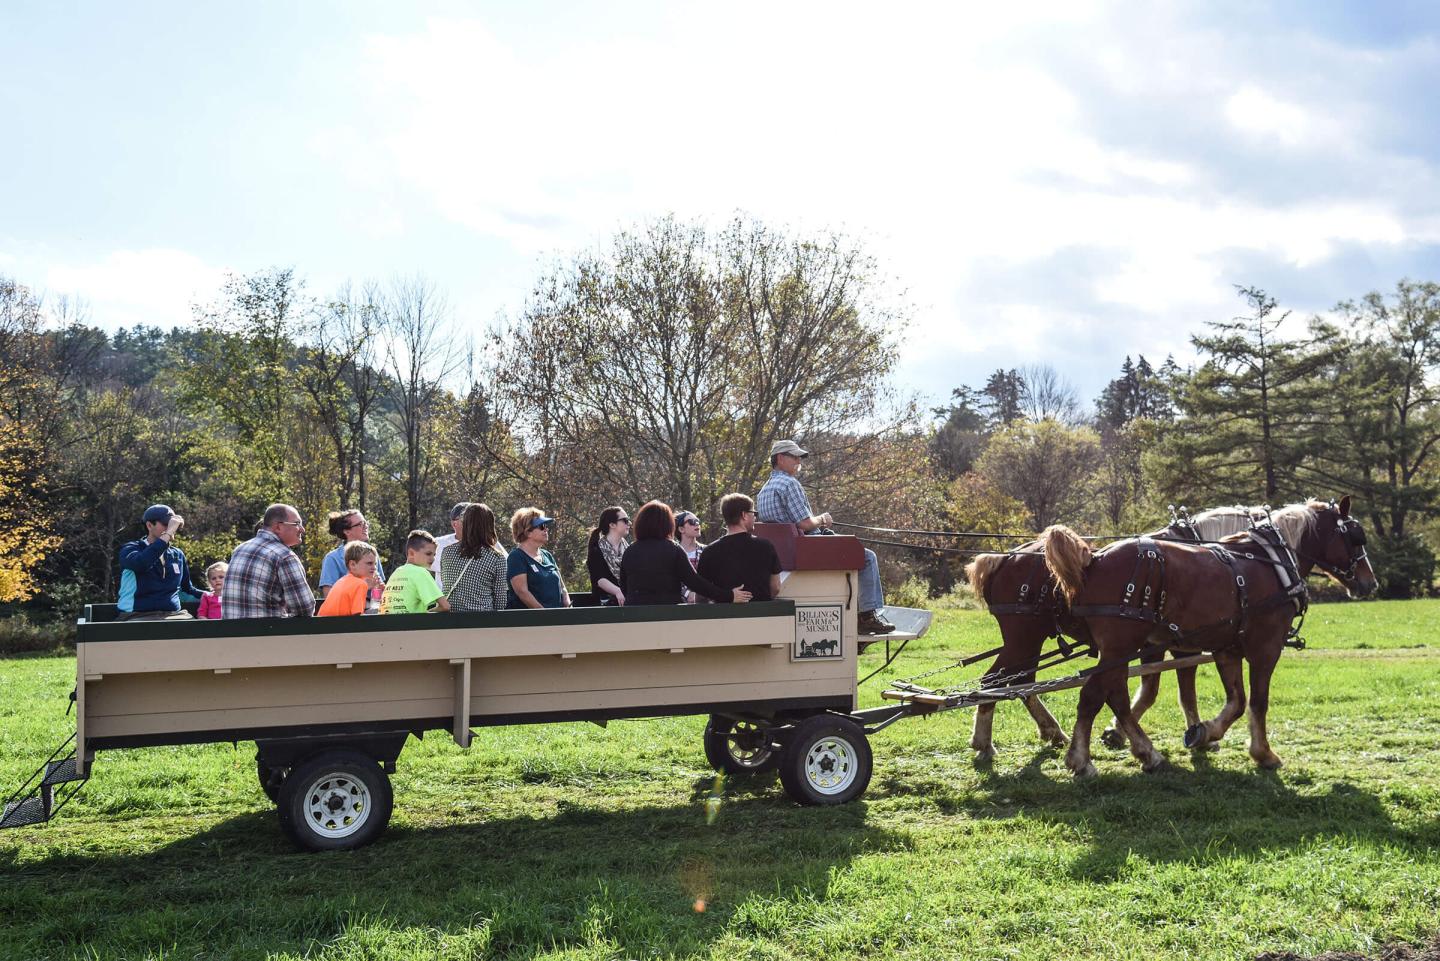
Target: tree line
662	363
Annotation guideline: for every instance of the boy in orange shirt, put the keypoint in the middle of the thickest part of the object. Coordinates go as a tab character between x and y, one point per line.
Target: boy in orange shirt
349	593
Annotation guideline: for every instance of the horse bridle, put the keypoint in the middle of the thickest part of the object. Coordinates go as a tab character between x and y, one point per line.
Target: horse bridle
1346	528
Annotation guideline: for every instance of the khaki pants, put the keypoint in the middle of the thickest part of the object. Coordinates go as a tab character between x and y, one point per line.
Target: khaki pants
154	616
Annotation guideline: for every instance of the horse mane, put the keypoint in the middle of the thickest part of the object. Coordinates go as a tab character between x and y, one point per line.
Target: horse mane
983	567
1219	522
1067	555
1294	521
980	569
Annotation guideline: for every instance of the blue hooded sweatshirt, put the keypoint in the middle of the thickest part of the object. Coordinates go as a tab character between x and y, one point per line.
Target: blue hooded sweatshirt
152	576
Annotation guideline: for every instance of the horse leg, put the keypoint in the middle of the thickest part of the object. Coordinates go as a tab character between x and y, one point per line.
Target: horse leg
1022	637
1140	745
980	737
1207	734
1261	668
1145	695
1050	730
1092	698
1185	692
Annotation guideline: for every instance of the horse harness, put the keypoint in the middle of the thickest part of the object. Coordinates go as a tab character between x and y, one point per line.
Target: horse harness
1145	592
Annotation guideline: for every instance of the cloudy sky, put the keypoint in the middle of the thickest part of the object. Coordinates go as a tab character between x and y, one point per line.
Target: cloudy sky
1058	184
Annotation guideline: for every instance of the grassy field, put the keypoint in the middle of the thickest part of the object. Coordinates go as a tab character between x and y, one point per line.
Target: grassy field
569	841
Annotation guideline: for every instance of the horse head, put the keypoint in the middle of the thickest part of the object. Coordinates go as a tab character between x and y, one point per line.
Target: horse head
1335	543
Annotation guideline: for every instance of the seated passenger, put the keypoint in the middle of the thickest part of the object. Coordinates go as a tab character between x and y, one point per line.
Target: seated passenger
533	575
210	603
346	527
602	557
412	588
445	541
740	559
654	568
265	578
687	534
472	571
153	571
348	595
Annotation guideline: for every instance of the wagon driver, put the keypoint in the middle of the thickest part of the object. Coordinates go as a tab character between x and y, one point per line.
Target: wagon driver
782	501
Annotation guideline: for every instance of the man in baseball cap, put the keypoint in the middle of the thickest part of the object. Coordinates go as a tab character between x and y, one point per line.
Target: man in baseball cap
448	540
153	571
782	501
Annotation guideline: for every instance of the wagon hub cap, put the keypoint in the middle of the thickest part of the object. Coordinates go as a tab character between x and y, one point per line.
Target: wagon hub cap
830	765
337	805
748	745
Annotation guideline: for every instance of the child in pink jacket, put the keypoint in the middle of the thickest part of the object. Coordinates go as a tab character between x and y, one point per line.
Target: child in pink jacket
210	603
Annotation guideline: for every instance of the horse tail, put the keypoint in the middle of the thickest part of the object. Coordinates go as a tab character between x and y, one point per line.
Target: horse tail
980	569
1066	557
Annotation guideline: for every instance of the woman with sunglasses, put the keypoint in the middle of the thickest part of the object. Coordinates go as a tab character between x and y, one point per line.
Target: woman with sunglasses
602	558
687	533
345	526
534	577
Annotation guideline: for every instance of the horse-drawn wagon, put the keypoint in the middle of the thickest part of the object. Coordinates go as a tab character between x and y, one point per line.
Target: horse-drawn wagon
330	702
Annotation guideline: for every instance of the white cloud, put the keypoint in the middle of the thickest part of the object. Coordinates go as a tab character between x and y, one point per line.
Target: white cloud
127	287
942	137
1253	111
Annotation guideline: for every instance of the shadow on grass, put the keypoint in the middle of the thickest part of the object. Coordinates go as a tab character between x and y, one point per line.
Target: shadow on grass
631	881
1175	815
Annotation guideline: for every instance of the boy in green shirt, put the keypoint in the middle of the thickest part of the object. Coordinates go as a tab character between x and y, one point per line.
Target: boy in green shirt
412	588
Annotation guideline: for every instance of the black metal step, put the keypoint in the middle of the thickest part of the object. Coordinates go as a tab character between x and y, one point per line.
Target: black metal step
58	772
31	810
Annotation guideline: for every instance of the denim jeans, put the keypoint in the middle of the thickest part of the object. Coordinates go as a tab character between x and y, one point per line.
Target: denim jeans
872	596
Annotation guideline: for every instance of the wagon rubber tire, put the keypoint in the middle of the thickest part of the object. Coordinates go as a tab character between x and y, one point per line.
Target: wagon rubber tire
826	760
737	747
270	779
335	801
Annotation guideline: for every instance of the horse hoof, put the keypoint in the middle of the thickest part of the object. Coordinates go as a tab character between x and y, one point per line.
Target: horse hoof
1269	763
1196	735
1086	772
1058	739
1112	738
1155	763
984	754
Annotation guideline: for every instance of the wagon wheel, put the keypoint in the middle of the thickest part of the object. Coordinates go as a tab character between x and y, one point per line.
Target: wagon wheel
826	760
335	801
738	747
270	778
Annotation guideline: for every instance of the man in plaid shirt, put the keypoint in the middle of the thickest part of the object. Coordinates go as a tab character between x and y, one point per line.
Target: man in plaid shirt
782	501
266	579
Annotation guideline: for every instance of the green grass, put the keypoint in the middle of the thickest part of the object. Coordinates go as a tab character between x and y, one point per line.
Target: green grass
570	841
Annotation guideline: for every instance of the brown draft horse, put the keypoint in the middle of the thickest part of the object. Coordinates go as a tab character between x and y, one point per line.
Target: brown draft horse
1023	598
1231	601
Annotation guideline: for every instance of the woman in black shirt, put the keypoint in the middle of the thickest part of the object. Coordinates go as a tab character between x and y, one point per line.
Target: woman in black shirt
606	550
654	567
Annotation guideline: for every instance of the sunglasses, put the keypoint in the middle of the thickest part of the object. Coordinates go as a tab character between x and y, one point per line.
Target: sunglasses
295	524
622	520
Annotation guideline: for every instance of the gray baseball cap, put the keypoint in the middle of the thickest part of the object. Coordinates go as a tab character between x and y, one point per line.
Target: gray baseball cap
788	447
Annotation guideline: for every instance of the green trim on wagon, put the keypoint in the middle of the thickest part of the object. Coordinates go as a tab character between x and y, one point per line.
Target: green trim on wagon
89	633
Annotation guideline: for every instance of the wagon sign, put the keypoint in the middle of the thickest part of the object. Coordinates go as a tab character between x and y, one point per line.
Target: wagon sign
819	632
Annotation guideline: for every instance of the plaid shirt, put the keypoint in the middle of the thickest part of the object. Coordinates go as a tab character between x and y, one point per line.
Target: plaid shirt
781	501
266	579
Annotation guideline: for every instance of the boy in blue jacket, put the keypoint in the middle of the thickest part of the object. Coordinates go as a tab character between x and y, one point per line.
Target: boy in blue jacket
153	571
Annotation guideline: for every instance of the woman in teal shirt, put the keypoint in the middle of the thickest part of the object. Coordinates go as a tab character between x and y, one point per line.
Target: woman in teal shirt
531	570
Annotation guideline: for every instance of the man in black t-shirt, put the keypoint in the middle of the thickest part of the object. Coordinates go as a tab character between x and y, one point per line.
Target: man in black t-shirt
740	559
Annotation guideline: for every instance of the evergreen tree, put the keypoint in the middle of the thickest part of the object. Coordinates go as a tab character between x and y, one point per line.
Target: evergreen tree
1251	410
1004	394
